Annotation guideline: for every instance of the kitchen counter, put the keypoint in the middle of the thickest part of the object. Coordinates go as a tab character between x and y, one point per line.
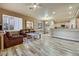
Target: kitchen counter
67	29
67	34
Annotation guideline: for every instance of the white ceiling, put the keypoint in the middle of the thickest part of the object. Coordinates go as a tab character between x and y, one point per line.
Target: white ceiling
61	9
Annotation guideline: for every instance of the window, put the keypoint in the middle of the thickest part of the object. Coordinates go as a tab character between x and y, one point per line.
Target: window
12	23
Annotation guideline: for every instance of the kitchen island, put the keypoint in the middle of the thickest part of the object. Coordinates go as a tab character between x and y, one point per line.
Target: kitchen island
67	34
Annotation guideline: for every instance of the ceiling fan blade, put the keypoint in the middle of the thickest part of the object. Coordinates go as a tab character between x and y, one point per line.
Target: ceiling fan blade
33	6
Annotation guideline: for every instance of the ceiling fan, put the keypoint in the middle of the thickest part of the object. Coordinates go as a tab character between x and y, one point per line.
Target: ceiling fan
33	6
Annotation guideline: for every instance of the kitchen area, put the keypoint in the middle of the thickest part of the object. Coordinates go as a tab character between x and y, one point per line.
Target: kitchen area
67	30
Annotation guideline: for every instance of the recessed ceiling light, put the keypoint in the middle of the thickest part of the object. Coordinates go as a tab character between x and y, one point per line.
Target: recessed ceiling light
70	7
54	12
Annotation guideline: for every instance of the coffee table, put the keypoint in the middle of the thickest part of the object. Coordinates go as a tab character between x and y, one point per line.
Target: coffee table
35	35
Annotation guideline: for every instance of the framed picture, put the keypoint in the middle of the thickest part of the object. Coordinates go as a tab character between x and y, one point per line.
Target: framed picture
29	24
39	25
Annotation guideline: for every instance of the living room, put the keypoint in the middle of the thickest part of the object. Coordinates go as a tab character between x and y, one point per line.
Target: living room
13	23
39	29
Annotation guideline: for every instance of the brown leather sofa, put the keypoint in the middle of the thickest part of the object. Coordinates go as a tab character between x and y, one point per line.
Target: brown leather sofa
10	41
22	33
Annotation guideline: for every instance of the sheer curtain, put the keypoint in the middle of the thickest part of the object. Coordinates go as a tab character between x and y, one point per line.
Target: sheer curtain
12	23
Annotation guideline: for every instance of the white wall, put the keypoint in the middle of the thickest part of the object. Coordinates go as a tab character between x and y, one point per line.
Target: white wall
73	23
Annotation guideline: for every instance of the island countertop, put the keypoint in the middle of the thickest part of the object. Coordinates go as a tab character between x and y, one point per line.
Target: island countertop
68	34
66	29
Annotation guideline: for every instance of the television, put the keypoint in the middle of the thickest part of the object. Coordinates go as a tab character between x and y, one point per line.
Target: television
63	26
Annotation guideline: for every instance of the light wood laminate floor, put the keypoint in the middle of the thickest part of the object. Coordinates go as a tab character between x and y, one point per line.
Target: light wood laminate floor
46	46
